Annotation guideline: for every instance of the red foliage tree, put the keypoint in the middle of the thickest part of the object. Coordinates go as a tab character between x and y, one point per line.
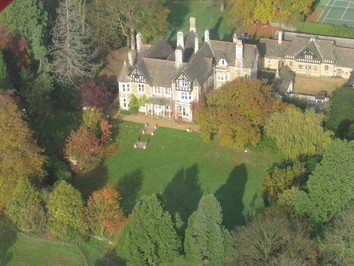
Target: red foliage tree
83	150
106	131
103	211
93	94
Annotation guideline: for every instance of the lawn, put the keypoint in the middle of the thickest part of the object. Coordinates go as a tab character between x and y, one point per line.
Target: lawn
313	85
181	167
213	21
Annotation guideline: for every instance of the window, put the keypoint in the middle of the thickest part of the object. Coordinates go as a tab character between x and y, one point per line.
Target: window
168	91
326	68
185	95
125	104
185	112
128	87
222	62
183	84
123	87
157	90
140	87
222	76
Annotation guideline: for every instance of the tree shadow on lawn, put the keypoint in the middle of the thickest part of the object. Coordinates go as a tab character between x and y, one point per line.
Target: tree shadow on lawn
110	259
91	181
8	236
181	196
177	17
230	196
129	187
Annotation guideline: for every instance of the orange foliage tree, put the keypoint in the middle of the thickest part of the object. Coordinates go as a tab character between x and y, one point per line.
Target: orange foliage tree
103	212
83	150
237	112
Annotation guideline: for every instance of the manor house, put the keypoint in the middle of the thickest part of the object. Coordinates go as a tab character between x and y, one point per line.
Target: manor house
173	79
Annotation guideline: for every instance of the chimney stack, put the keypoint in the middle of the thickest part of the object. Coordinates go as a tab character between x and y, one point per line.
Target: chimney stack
130	57
192	24
280	37
196	44
234	38
179	57
239	53
180	39
139	42
206	35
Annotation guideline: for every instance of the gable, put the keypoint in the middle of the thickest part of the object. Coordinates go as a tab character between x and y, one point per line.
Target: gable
222	62
310	53
137	76
183	83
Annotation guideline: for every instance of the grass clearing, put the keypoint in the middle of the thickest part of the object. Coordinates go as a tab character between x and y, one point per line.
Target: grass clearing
313	85
180	166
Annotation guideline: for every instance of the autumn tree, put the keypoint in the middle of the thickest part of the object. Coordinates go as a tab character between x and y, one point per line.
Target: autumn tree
103	212
5	83
297	132
266	11
205	234
73	52
91	117
237	112
29	19
94	94
20	156
271	239
330	187
150	237
83	150
65	207
26	208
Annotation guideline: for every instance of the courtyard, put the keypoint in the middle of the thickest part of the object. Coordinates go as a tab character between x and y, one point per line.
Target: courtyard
314	85
181	166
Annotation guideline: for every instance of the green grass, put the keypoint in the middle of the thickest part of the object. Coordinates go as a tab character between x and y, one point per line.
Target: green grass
208	16
326	29
182	167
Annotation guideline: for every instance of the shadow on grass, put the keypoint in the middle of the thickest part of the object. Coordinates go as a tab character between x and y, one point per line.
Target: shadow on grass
8	236
177	17
129	187
110	259
182	195
92	181
230	196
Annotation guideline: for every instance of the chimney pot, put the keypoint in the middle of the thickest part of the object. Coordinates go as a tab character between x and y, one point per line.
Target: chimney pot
180	39
192	24
280	37
179	57
139	42
206	35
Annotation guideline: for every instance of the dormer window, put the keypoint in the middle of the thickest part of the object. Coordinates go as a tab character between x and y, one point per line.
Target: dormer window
222	62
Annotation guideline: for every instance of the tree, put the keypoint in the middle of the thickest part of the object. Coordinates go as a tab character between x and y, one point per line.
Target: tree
297	133
237	112
341	115
282	178
103	211
150	237
148	17
94	94
330	187
65	206
83	150
337	244
29	19
271	239
26	207
205	235
20	156
73	53
266	11
4	80
91	117
104	23
135	103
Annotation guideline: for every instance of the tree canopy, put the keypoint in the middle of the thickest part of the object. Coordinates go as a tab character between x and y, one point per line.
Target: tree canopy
150	237
237	112
20	156
330	187
296	132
